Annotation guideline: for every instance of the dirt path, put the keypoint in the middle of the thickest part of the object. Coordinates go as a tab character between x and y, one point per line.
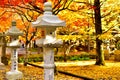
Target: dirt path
82	68
73	63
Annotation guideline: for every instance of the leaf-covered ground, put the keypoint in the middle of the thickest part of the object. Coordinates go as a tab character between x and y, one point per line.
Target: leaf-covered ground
82	68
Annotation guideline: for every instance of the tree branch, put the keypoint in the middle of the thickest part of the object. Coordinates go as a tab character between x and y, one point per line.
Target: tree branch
110	28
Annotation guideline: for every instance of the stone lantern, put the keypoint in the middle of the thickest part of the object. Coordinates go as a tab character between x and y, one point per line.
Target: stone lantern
14	32
49	23
2	66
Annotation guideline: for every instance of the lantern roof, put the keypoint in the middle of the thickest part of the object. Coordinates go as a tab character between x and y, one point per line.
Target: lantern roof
48	19
14	31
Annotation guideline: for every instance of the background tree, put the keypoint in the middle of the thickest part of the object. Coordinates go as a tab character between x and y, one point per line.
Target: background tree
99	15
105	17
98	28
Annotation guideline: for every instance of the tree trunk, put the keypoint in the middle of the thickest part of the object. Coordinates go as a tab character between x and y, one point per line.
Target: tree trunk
65	57
64	49
98	29
26	55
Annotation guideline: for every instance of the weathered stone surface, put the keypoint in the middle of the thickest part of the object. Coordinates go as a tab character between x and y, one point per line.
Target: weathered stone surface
49	22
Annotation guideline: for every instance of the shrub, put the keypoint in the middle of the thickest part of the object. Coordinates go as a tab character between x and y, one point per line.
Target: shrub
56	58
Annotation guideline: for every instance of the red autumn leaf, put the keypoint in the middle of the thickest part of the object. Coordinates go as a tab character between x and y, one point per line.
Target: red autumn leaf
3	2
81	7
15	2
40	1
92	7
26	1
3	18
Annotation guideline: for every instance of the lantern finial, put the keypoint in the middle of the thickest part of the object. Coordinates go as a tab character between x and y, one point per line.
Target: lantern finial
13	23
48	8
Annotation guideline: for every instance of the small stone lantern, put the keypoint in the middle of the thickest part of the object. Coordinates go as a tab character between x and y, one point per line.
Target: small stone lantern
2	66
14	32
49	23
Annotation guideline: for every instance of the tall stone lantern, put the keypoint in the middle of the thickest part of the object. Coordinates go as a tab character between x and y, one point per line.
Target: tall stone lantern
49	23
14	32
2	66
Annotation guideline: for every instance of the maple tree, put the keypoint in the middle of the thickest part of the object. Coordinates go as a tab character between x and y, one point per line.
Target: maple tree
77	28
99	26
104	19
29	32
29	10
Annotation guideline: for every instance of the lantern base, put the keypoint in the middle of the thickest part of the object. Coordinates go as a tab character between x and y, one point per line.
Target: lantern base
13	75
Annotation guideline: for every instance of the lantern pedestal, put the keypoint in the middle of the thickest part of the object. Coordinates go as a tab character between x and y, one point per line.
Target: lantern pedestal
48	63
48	44
14	74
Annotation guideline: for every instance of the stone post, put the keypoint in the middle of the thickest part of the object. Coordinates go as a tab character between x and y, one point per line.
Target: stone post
48	64
2	66
14	59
